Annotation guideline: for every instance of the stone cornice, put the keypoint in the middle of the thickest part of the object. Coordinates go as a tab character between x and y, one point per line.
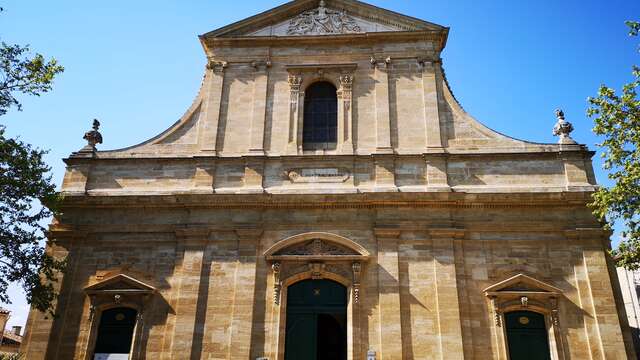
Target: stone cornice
552	151
360	200
438	36
201	234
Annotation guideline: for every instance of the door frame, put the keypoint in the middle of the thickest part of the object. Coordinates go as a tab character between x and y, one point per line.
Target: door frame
352	313
553	354
553	331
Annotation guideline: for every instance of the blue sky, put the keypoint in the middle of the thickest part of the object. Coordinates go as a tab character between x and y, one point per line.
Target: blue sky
136	65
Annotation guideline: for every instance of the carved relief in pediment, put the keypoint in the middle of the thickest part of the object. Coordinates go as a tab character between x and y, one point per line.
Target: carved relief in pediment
323	21
316	247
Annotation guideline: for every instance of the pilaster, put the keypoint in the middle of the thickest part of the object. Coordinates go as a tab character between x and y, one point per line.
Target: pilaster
76	177
446	292
258	117
597	298
295	114
390	342
384	172
208	132
191	268
437	178
345	114
244	295
430	72
253	175
43	339
383	120
204	178
575	169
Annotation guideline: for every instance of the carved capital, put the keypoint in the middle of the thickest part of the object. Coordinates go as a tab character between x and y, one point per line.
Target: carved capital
217	66
263	65
346	81
295	81
380	63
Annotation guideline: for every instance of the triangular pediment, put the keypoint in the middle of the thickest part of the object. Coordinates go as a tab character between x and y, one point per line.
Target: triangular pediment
522	283
326	17
120	282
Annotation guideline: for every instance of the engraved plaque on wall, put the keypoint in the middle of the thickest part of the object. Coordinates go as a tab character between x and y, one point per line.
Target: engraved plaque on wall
318	175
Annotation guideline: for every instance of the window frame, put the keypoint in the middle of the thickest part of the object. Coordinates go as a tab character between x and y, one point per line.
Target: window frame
341	76
310	119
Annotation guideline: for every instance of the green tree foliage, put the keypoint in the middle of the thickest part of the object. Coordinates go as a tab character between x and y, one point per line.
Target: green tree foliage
23	75
27	196
617	120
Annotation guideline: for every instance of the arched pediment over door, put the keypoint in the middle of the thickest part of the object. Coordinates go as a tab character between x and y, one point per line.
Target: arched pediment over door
316	255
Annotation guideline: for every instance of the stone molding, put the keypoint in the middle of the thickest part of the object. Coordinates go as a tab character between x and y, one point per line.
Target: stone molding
522	292
525	293
119	290
303	75
316	255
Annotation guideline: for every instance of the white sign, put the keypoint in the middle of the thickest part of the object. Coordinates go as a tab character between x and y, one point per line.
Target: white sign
318	175
111	357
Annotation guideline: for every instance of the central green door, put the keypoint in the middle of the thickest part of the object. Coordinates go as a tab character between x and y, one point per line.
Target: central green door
316	321
527	336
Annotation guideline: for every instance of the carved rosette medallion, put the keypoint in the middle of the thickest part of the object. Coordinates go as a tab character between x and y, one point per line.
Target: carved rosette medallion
323	21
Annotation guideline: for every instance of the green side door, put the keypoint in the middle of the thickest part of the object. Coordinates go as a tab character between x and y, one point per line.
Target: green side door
527	336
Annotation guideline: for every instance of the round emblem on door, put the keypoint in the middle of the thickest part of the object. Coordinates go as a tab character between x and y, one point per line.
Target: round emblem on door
120	317
523	320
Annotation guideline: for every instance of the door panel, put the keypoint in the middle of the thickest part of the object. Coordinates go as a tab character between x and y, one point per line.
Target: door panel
301	337
527	336
316	321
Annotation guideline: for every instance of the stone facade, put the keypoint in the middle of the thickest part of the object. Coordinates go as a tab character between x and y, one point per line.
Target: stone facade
435	224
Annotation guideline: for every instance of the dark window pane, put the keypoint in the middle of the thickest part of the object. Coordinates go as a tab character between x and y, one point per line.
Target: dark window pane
320	116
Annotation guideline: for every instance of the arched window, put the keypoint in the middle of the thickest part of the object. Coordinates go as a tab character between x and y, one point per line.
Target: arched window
320	127
115	333
527	336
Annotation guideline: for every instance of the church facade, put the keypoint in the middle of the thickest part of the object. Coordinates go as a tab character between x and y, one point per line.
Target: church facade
326	197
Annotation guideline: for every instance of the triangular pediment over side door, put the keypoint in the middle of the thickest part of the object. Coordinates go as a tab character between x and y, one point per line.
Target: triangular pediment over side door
120	283
327	17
